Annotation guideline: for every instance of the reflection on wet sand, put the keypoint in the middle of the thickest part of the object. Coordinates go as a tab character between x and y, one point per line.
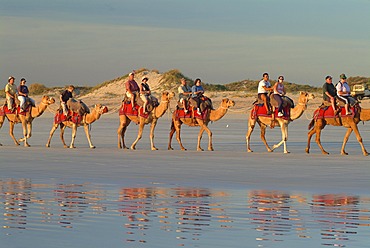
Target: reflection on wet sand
338	216
184	216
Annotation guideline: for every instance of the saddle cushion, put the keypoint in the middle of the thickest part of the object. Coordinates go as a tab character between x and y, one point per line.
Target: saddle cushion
328	112
71	116
260	110
126	109
192	113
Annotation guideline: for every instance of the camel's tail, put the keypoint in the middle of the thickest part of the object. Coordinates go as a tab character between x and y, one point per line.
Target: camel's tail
312	123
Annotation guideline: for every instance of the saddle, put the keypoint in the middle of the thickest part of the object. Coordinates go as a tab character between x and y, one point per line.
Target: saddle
78	106
206	103
152	102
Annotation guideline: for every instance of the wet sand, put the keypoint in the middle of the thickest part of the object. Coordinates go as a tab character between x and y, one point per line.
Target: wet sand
229	166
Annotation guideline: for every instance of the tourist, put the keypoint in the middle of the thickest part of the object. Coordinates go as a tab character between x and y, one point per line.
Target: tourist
264	87
184	94
132	89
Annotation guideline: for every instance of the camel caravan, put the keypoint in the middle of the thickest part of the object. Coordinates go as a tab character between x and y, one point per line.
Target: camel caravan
272	108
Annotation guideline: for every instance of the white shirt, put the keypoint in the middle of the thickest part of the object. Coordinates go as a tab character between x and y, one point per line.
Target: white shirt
261	84
343	87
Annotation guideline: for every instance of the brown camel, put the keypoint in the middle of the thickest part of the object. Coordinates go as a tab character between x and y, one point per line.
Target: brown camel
86	121
26	120
213	115
154	115
264	121
349	122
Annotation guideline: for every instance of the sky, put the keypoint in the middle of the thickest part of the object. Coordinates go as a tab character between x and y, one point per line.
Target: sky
87	42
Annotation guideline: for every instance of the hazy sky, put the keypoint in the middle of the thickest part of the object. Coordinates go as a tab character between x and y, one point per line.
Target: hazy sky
86	42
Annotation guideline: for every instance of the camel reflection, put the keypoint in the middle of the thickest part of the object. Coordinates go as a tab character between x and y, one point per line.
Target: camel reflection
272	214
338	216
16	196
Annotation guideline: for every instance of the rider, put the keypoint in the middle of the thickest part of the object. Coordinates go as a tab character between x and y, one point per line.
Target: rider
64	97
131	89
184	93
11	93
196	93
144	92
23	95
344	92
329	92
279	91
264	87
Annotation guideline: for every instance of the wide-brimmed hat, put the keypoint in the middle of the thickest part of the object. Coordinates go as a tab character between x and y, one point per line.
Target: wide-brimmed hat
11	77
342	76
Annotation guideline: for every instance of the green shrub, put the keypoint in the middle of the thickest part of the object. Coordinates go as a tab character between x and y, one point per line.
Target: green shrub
37	89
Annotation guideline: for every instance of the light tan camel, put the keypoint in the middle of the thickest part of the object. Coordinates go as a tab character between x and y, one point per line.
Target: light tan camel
263	122
26	120
348	122
154	115
86	121
213	115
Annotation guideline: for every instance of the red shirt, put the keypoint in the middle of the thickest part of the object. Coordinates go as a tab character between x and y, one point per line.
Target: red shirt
132	86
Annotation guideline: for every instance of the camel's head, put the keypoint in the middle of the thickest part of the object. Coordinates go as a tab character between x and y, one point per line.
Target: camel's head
227	103
101	109
166	96
304	97
47	100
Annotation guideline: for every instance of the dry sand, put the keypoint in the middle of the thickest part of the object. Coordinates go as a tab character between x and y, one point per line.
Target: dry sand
228	166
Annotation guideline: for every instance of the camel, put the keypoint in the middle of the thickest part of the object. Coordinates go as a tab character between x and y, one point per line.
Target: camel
26	120
349	122
86	122
264	121
154	115
213	115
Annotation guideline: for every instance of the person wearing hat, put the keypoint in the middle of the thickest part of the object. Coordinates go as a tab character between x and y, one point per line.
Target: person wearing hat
329	92
131	88
11	93
344	92
23	95
144	92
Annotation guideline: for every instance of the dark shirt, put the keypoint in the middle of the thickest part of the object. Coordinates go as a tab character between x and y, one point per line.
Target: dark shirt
145	87
132	85
23	89
330	88
66	95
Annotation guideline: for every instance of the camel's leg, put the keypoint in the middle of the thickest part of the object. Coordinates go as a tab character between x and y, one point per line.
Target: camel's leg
124	122
200	135
24	128
359	139
309	136
345	139
178	135
88	136
62	128
139	135
251	125
2	119
284	138
55	126
318	140
210	141
173	130
152	128
11	132
74	132
263	136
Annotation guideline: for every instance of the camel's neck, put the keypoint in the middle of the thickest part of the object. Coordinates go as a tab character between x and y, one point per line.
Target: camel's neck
365	114
297	111
91	117
38	110
217	114
161	109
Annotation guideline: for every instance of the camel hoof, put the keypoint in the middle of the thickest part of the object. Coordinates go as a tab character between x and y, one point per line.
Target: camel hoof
269	150
344	153
210	149
249	150
325	153
154	149
47	145
170	148
132	148
65	146
17	144
200	150
307	150
72	147
26	145
286	152
365	153
92	147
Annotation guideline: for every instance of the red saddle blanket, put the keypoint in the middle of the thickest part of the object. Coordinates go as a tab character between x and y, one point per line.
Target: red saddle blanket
328	112
126	109
71	116
260	110
4	110
180	113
